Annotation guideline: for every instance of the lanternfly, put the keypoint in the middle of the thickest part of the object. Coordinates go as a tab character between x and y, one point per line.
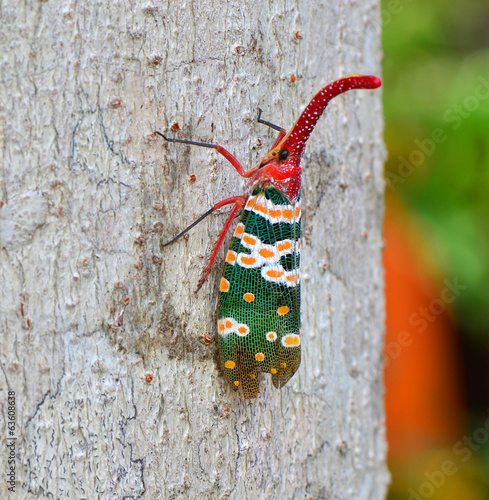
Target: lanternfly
258	309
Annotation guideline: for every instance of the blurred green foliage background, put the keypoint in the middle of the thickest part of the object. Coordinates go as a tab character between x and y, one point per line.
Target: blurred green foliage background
436	78
436	99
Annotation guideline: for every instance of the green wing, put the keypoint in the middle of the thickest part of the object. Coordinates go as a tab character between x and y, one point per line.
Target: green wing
258	308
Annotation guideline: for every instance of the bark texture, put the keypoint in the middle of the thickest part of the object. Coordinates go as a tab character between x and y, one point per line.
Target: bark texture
102	337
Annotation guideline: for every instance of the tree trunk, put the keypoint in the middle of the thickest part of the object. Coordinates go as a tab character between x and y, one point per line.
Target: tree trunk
103	341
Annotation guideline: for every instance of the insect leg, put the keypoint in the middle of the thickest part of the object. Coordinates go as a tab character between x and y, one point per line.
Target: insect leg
280	130
268	124
239	203
221	204
229	157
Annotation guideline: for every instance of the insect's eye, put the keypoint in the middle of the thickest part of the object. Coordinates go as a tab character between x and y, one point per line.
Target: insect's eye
283	154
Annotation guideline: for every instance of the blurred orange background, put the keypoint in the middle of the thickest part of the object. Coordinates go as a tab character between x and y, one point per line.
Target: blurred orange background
436	98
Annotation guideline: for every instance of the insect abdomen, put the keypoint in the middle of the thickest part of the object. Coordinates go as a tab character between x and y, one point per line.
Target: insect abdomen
259	302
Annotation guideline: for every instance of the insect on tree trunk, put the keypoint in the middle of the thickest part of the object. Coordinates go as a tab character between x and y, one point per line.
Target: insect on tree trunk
110	366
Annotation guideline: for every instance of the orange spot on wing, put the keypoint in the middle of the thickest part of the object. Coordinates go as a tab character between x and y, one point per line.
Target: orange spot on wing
277	274
291	341
273	371
291	278
249	239
283	365
229	364
231	257
239	230
284	245
229	324
283	310
274	214
249	297
261	208
264	252
287	214
236	383
242	330
297	212
259	356
271	336
250	202
248	261
224	285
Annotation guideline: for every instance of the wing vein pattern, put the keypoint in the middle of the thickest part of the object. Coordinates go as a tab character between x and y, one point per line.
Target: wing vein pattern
258	308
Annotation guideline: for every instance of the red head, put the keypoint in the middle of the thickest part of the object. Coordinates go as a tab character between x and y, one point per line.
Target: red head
282	164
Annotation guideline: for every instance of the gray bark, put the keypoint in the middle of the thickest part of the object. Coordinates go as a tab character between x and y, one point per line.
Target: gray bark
88	195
